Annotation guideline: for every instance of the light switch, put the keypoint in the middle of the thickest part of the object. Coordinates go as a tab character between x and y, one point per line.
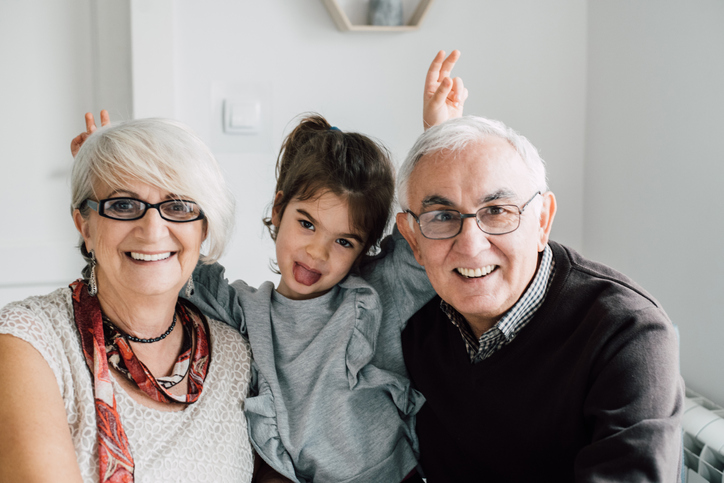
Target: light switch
242	117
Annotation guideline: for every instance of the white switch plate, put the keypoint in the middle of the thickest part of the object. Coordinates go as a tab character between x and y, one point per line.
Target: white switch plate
240	117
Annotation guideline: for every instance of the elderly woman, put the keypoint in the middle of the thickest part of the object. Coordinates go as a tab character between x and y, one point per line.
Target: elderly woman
114	378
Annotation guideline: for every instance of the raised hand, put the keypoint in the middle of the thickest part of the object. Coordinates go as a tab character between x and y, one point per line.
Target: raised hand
444	97
90	125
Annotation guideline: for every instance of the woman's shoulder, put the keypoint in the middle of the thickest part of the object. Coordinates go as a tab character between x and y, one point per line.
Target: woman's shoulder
38	314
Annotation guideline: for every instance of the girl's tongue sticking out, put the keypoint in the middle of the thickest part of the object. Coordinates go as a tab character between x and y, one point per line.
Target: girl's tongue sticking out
304	275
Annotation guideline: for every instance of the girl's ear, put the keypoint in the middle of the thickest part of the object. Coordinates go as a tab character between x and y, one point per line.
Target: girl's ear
276	209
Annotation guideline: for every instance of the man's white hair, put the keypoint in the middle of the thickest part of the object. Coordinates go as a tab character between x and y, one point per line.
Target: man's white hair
454	135
162	153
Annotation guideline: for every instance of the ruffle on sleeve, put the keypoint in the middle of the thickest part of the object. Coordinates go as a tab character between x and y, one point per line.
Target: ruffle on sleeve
361	373
263	431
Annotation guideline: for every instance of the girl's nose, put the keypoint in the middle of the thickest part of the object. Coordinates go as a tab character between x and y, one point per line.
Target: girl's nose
317	250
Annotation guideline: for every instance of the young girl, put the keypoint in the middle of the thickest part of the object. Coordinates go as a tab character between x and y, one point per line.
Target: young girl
333	402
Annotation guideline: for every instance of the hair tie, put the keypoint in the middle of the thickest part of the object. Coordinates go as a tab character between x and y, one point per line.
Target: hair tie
335	128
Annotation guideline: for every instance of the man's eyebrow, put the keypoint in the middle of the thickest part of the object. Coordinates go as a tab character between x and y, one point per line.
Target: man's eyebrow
354	236
436	200
501	194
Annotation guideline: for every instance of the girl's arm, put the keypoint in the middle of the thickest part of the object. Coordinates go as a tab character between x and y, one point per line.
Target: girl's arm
444	97
36	444
216	297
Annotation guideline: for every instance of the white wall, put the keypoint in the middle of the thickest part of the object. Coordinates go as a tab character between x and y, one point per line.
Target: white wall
59	59
654	206
523	61
634	88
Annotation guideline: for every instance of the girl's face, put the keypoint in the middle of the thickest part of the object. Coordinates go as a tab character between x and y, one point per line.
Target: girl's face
316	245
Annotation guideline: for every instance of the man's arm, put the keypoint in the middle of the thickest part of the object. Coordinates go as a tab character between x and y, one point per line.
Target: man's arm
635	405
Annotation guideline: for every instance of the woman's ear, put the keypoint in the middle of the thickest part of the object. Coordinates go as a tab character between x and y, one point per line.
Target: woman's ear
276	209
83	227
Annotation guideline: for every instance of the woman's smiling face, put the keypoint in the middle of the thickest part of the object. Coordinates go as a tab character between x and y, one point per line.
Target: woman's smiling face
145	257
316	245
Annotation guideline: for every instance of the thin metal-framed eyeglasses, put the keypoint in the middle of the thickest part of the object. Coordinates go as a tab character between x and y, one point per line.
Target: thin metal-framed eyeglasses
493	220
129	209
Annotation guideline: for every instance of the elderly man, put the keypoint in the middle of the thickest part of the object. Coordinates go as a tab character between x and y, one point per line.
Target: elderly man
537	364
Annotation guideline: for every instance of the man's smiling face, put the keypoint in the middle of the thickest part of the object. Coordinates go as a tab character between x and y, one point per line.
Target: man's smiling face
481	275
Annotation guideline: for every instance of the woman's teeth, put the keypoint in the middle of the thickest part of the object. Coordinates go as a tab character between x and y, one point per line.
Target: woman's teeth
475	272
150	258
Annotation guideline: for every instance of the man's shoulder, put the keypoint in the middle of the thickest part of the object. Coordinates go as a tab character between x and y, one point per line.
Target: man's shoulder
580	275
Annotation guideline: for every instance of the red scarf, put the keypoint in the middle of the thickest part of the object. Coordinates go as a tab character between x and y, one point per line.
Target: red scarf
116	461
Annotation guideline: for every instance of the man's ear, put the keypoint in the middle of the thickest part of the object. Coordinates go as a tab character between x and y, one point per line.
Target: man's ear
83	227
405	224
276	209
547	213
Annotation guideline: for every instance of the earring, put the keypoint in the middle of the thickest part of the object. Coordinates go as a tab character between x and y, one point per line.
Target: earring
93	283
190	289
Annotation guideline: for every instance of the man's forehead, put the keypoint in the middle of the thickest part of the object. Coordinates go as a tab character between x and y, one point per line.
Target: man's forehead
484	171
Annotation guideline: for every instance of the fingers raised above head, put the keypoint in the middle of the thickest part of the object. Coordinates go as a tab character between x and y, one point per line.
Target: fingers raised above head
459	92
449	63
105	118
90	122
433	73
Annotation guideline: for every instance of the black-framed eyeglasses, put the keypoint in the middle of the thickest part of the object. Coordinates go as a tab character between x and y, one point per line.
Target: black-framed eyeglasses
128	209
493	220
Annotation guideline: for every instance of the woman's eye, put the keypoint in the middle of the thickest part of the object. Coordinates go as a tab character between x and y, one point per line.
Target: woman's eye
306	224
122	205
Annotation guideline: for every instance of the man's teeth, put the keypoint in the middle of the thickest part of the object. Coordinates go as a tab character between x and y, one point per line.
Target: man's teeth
475	272
150	258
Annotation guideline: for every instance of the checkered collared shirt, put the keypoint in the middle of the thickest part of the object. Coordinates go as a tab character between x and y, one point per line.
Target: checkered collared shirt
503	333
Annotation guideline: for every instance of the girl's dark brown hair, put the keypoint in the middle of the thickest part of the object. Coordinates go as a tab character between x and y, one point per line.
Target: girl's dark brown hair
316	158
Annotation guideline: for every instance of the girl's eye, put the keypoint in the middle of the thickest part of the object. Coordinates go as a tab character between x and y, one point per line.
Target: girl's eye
306	224
345	243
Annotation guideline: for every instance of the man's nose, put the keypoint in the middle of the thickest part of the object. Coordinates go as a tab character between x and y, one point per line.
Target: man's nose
471	238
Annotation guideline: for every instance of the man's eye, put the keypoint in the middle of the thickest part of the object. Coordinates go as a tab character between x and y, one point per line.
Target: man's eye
495	210
443	216
306	224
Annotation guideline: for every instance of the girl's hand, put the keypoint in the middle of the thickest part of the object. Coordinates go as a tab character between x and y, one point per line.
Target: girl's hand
90	125
444	97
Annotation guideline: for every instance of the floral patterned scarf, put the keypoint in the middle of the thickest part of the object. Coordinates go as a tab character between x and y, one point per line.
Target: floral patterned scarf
116	461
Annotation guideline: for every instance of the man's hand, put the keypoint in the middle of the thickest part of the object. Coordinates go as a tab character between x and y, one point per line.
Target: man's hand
444	97
90	125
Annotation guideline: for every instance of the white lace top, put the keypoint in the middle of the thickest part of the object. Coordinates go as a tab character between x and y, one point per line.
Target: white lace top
207	441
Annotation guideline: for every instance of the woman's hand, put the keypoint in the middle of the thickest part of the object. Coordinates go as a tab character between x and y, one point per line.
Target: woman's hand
444	97
90	125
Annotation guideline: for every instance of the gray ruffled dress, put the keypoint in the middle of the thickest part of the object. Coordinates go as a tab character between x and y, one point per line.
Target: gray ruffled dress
333	402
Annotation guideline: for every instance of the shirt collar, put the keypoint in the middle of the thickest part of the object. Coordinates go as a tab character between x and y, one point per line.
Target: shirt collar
519	314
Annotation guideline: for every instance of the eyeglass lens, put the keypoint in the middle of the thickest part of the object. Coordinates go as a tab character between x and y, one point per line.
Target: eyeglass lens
131	209
494	220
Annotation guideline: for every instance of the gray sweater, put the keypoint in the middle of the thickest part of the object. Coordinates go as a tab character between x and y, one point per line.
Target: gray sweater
333	401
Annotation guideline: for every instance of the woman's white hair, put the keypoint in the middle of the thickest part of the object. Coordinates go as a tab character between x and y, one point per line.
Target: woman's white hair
454	135
162	153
